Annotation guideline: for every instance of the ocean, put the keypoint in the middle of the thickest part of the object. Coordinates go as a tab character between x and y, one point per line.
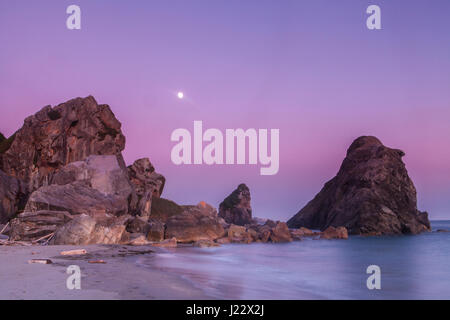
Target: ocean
412	267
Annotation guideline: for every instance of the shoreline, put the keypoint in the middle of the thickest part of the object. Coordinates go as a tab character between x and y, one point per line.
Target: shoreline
118	279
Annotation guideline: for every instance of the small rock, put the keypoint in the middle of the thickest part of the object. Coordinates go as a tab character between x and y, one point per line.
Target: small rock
335	233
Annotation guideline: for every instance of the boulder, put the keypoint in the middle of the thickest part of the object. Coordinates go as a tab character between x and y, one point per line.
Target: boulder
147	183
371	194
31	226
84	230
162	209
138	225
193	224
156	231
280	233
55	137
236	208
13	194
97	185
206	244
76	198
144	178
239	234
334	233
169	243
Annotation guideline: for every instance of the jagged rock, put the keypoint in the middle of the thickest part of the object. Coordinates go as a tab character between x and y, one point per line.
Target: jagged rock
147	183
193	224
102	173
31	226
84	230
98	185
239	234
55	137
334	233
236	208
280	233
76	198
138	225
162	209
13	194
144	178
371	194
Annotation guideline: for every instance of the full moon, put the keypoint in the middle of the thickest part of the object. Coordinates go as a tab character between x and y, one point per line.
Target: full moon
180	95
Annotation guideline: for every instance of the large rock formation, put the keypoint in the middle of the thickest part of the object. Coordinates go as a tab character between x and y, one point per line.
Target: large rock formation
54	137
13	194
236	208
371	194
97	187
147	183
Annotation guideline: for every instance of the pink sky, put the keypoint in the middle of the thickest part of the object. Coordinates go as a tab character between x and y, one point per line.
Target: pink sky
310	69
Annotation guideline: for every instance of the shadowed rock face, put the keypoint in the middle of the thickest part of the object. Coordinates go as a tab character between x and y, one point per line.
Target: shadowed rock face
12	196
54	137
371	194
236	208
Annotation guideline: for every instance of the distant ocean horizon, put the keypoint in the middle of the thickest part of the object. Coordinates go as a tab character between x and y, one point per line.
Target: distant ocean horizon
412	267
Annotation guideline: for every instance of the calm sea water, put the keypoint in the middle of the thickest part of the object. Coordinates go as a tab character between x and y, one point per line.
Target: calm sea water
412	267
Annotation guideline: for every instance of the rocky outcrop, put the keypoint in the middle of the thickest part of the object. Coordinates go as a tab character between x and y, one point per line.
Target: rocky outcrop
147	183
236	208
13	193
195	223
55	137
84	229
31	226
334	233
280	233
144	178
97	187
371	194
162	209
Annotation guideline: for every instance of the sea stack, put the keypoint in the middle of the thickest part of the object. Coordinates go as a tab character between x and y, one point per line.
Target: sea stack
236	208
372	194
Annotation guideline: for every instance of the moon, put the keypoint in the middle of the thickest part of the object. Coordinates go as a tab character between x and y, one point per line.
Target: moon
180	95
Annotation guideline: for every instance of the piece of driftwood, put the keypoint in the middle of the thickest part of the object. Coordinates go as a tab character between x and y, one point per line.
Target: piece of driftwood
40	261
44	237
97	261
74	252
4	228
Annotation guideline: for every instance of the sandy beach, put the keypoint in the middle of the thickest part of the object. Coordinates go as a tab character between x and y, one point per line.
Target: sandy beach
118	278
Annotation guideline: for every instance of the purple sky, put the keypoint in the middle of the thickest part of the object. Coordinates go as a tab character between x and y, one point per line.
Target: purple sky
310	68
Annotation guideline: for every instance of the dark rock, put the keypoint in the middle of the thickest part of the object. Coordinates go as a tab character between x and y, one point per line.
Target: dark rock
144	178
236	208
55	137
30	226
13	195
162	209
147	183
156	231
138	225
371	194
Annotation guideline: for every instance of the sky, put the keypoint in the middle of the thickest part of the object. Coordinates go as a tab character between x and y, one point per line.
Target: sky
309	68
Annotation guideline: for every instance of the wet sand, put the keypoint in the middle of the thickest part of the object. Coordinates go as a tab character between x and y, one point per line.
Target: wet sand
119	278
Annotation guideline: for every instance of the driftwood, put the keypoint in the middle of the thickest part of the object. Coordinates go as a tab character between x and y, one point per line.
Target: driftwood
44	237
97	261
40	261
73	252
4	228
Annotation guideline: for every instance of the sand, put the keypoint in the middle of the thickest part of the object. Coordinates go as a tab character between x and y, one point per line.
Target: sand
119	278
